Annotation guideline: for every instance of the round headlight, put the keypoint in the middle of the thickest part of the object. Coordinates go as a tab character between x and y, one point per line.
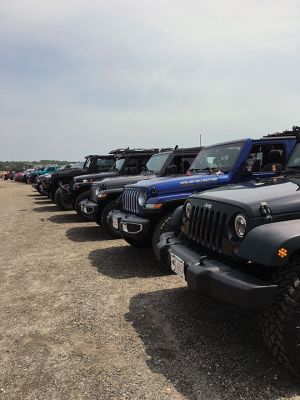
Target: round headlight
188	209
240	225
142	198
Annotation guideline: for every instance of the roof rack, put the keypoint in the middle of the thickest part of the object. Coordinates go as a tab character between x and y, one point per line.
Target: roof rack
188	149
294	132
135	150
98	155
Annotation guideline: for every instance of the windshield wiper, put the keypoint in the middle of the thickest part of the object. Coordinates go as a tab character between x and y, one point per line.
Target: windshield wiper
210	170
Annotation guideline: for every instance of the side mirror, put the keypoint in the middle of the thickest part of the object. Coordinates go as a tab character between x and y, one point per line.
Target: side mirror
171	170
252	165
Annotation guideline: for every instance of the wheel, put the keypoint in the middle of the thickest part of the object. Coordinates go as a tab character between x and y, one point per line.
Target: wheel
280	322
58	199
162	226
79	199
137	244
108	228
38	188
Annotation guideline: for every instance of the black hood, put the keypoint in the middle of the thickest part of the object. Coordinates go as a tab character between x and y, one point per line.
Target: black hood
70	172
281	194
94	177
121	181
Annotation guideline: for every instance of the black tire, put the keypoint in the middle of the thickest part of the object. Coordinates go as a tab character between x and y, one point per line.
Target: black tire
137	244
38	188
280	322
108	228
162	226
59	201
83	196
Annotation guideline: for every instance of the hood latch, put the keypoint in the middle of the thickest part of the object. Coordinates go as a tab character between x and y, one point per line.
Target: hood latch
265	211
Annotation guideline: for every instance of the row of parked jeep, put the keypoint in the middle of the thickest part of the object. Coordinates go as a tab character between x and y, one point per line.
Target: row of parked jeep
226	218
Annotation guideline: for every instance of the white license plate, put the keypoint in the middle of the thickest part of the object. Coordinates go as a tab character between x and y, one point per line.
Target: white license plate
115	223
177	265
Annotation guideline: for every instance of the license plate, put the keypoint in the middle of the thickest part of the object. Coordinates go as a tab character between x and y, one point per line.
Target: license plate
115	223
177	265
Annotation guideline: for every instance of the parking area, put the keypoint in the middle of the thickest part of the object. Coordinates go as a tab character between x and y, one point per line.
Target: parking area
83	317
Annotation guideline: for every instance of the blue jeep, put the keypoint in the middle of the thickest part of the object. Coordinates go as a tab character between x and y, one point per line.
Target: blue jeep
146	207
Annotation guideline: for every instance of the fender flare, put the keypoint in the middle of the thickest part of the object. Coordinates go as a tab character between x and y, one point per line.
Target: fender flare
272	244
176	220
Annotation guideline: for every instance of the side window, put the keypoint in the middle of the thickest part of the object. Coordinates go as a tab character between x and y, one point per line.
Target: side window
132	166
269	155
182	163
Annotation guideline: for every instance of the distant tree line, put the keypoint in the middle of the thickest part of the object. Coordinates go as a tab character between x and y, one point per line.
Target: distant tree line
22	165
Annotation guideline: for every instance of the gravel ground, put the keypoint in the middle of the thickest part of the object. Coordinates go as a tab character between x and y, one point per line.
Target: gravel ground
83	317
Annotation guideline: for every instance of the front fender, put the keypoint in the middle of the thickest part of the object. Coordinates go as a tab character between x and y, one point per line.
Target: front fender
82	187
272	244
176	220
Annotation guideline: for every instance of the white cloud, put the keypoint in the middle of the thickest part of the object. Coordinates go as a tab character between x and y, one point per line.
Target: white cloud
74	72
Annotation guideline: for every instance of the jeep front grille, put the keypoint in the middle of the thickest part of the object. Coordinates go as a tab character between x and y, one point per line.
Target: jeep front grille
130	200
207	227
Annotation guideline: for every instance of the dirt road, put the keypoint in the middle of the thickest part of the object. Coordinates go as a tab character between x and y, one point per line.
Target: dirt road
83	317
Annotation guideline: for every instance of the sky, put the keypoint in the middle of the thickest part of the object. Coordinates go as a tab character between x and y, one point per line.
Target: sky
83	77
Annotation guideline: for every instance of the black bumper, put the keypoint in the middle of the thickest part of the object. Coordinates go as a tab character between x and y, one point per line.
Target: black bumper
131	226
216	279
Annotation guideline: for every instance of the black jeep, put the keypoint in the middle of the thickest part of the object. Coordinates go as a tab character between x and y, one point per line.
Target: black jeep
104	194
93	163
241	244
127	162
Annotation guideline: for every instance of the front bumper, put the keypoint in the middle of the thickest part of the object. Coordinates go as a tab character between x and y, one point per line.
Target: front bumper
213	278
89	207
130	226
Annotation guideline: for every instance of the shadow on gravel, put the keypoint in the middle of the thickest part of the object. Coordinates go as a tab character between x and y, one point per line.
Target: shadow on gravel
123	262
64	218
207	349
46	208
40	199
86	234
44	201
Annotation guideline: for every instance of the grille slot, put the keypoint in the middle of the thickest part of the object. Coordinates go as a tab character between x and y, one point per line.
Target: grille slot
207	227
130	200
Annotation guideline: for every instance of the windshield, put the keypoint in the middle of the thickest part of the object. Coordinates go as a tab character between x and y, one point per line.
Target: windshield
294	161
119	164
87	163
156	162
78	165
218	158
105	163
